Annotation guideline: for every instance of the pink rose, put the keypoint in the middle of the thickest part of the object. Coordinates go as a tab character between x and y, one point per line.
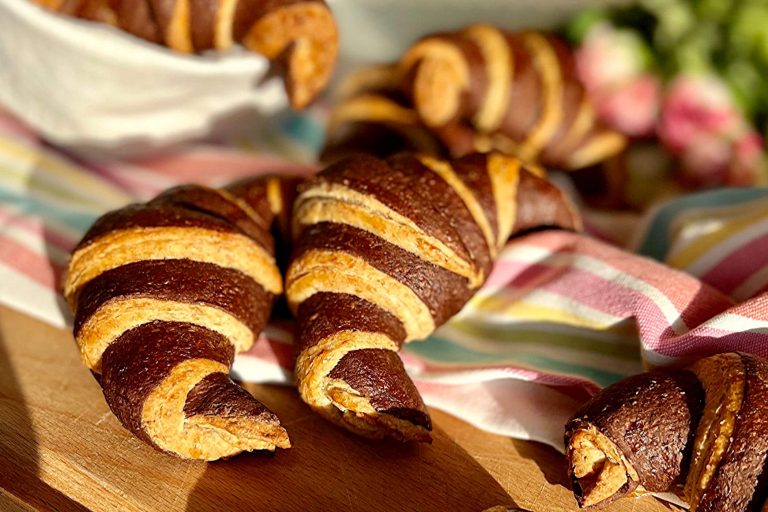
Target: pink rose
703	126
695	107
705	160
608	57
697	120
748	162
611	65
631	107
750	147
712	160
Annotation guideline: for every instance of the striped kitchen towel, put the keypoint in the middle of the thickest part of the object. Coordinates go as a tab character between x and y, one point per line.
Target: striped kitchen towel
561	315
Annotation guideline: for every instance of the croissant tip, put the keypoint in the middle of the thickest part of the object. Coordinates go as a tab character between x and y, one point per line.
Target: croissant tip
305	50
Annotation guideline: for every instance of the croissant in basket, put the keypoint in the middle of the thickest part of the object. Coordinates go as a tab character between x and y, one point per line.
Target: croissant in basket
164	294
701	432
387	251
300	35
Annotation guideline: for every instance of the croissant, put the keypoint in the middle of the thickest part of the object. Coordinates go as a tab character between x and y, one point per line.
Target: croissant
482	88
372	115
300	34
477	89
164	293
701	432
386	251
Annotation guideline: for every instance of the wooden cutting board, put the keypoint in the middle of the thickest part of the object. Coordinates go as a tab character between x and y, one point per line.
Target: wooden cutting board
61	449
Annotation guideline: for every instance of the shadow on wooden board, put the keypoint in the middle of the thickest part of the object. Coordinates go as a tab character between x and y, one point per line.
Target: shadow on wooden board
20	486
551	463
331	469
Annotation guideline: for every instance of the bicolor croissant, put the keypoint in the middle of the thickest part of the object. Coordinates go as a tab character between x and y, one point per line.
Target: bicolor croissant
386	251
372	115
478	89
164	294
700	432
301	34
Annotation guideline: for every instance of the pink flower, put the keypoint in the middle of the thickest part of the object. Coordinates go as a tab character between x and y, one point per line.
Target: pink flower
697	121
695	107
611	65
608	57
703	126
750	147
705	160
712	160
630	107
748	163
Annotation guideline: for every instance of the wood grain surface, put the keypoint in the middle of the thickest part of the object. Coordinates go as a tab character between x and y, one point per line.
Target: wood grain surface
62	449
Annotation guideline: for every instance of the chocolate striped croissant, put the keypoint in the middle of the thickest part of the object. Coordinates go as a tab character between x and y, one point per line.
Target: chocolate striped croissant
387	251
372	115
700	432
475	90
482	88
300	34
164	293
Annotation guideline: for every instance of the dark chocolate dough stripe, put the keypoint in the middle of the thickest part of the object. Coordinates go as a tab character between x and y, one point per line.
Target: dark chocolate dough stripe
473	171
217	204
347	368
184	281
399	190
138	361
153	216
324	314
538	205
202	16
374	373
217	395
447	204
525	97
441	290
137	17
379	375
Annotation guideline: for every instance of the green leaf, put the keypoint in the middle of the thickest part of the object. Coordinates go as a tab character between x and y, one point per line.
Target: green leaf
578	28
